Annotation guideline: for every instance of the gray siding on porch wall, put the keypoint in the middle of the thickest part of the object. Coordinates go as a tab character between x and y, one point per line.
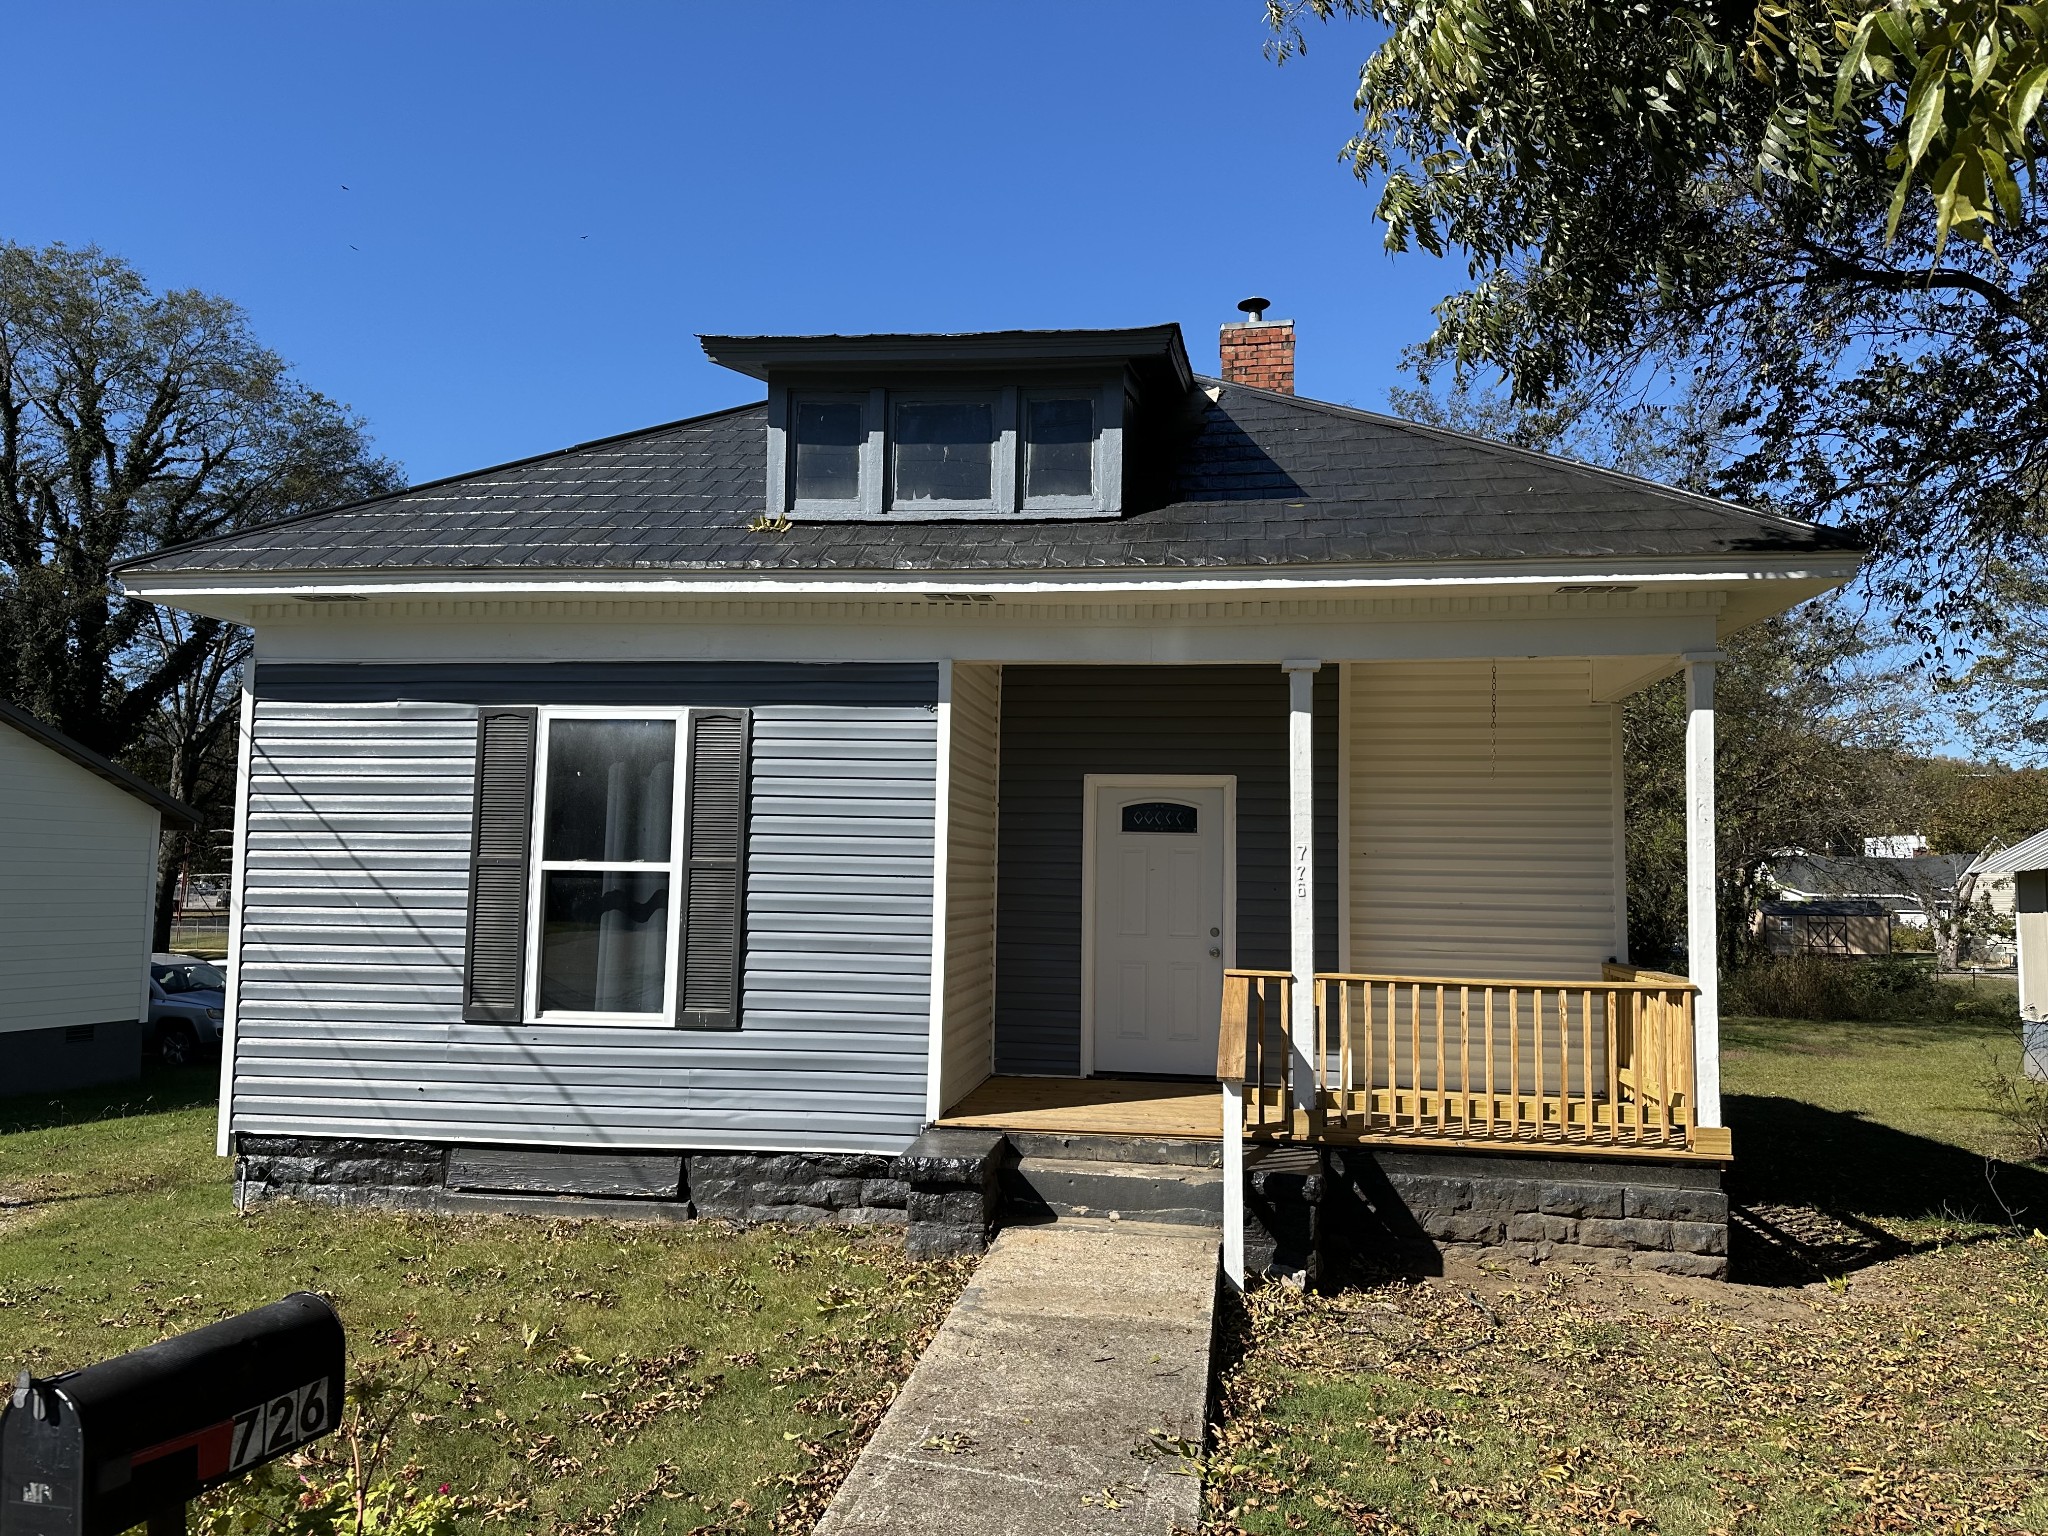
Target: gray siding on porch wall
357	885
1060	723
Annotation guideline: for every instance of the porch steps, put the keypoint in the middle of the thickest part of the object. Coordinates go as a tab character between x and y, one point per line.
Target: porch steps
1183	1193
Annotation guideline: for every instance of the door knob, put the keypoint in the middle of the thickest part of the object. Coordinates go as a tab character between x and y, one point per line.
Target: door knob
1215	949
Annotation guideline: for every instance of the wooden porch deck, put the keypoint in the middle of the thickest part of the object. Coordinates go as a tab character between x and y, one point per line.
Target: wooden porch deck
1118	1106
1093	1106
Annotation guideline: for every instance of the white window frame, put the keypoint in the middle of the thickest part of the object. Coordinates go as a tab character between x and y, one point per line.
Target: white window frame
540	866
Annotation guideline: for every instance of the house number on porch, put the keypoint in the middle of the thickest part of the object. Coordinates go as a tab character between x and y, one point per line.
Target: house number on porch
1301	867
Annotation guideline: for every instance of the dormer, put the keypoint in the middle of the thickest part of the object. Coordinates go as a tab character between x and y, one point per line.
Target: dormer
993	425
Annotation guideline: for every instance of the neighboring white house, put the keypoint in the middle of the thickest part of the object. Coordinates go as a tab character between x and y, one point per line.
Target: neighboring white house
78	849
2027	865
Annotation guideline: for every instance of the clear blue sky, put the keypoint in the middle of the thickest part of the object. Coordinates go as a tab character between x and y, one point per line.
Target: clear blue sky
544	204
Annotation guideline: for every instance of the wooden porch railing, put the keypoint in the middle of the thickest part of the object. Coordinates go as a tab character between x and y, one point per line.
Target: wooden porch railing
1604	1064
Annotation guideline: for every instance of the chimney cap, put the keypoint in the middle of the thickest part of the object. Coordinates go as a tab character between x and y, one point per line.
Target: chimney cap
1255	307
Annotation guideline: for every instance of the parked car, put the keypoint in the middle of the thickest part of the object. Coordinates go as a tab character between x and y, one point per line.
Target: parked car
187	996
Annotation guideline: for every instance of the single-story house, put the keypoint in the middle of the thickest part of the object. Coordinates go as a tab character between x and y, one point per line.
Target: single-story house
2026	865
78	851
970	736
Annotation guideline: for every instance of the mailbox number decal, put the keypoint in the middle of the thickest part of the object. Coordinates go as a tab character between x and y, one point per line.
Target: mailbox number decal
278	1425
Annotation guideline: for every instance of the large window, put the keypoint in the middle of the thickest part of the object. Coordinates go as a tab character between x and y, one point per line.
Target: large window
606	875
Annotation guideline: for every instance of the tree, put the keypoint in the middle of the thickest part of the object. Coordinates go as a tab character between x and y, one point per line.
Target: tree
1825	207
1970	807
131	419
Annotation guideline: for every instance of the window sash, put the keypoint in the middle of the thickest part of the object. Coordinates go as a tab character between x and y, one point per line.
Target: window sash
669	869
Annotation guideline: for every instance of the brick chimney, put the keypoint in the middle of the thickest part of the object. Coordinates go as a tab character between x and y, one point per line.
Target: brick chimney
1258	351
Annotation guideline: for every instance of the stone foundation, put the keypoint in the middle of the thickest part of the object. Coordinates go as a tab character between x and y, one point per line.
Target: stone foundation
1415	1208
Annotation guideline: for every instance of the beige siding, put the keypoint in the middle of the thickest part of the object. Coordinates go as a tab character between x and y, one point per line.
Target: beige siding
1482	820
970	916
77	861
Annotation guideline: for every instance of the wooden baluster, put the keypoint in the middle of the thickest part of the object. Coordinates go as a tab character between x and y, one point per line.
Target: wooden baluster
1286	989
1441	1127
1492	1082
1464	1061
1586	1057
1415	1053
1613	1066
1688	1084
1515	1062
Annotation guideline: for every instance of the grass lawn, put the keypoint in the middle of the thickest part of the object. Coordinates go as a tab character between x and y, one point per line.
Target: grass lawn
576	1377
1884	1368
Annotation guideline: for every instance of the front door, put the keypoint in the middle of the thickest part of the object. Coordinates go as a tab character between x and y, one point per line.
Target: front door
1158	922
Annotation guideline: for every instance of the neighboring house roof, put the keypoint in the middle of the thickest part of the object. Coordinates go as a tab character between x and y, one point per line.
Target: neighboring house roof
1851	906
92	762
2020	858
1891	880
1258	480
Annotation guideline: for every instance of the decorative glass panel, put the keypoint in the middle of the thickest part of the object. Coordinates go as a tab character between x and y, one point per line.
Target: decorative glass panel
603	942
611	787
1059	448
944	450
828	437
1159	816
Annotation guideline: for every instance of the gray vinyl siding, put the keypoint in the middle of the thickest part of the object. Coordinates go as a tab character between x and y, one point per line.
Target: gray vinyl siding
357	890
1060	723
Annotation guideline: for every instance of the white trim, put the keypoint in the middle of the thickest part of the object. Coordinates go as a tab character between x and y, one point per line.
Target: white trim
995	870
942	796
1344	815
538	866
1325	579
238	880
1620	792
1233	1182
1702	943
1301	845
1090	783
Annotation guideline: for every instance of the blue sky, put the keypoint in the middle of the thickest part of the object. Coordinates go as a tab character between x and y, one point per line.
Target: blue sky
494	230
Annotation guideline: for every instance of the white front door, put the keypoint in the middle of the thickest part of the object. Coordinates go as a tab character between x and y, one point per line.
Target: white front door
1159	924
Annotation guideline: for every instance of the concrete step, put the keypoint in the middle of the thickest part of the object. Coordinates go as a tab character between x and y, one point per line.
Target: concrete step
1038	1188
1183	1151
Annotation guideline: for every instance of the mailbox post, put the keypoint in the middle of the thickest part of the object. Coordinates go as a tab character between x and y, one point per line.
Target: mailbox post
131	1440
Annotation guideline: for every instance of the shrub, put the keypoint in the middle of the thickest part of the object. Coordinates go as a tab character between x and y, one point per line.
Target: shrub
2022	1103
1880	987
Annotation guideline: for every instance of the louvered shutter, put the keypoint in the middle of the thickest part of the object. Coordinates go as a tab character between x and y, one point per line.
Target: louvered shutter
494	976
713	940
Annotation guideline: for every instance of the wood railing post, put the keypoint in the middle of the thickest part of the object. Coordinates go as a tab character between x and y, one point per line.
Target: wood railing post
1230	1065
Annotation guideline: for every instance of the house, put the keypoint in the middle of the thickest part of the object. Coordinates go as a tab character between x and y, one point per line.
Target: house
2025	864
78	849
974	736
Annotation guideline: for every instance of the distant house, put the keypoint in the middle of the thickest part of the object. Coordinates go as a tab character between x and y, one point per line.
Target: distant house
78	848
1914	890
2026	865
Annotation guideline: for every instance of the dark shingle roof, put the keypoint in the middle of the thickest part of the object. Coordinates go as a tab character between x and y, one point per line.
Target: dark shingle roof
1260	480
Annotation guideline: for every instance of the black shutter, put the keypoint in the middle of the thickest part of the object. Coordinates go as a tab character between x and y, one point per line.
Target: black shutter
714	871
494	977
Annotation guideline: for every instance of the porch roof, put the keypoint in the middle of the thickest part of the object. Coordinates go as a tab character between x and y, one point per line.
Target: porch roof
1255	480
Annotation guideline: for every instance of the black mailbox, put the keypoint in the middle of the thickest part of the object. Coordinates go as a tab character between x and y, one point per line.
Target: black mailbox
96	1451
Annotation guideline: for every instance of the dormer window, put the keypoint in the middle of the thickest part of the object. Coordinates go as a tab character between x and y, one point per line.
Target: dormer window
1001	424
827	435
1059	449
943	451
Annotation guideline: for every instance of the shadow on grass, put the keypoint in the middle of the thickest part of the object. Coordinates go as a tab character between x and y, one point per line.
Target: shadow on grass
1815	1192
160	1090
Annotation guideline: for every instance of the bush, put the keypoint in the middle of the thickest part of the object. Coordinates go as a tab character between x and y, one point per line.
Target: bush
1880	987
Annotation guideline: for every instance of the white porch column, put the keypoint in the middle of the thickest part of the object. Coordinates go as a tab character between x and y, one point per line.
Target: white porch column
1301	878
1702	939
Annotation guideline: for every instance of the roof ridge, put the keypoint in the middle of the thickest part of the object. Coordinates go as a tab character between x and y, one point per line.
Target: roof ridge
428	485
1515	450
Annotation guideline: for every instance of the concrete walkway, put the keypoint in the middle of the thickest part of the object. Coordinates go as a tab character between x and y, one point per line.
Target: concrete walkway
1065	1393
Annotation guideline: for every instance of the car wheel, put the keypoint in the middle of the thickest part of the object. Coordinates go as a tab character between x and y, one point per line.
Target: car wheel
177	1046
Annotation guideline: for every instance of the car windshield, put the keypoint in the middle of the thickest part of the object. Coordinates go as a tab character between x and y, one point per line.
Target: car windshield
192	976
